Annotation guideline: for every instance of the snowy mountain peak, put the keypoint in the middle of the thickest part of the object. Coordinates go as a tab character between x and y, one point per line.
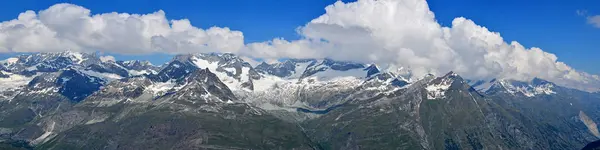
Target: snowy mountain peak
530	88
47	62
231	69
202	84
328	69
291	68
175	70
71	83
137	65
437	87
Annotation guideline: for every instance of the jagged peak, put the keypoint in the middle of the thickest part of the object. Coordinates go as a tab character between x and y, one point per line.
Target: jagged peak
451	74
436	88
447	78
202	75
220	58
531	88
372	70
341	65
206	83
135	62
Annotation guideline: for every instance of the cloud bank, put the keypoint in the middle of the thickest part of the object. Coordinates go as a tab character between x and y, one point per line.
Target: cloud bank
71	27
389	32
406	33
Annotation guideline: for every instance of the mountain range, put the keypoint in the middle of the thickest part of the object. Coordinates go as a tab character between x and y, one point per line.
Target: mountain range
71	100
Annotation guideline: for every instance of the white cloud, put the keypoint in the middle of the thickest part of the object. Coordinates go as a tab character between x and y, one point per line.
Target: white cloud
389	32
67	26
107	58
594	20
406	33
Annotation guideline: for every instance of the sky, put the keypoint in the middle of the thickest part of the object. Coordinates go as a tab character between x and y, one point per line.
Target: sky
270	29
260	20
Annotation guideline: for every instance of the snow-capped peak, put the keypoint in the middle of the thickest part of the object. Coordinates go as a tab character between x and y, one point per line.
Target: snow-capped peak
436	89
230	69
530	88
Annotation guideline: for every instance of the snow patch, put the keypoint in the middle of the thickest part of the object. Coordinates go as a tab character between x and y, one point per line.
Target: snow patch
75	56
299	70
232	83
160	88
268	82
176	65
96	120
45	90
438	91
527	90
244	77
232	70
136	73
106	76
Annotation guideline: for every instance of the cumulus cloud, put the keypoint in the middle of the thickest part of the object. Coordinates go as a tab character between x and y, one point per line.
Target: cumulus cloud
107	58
71	27
406	33
388	32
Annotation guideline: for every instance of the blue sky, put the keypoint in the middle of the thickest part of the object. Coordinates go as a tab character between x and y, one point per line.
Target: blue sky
552	25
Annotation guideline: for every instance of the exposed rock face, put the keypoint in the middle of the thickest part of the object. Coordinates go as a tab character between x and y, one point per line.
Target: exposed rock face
218	101
591	125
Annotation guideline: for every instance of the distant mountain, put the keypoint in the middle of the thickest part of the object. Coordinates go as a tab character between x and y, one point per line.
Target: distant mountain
75	100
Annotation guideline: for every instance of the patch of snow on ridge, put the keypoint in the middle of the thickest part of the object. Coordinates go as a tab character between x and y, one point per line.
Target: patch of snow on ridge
203	64
232	83
299	70
268	82
438	90
544	89
160	88
75	56
244	77
274	93
142	72
232	70
106	76
527	89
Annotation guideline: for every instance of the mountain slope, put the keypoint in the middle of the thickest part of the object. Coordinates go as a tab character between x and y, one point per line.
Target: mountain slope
218	101
201	115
